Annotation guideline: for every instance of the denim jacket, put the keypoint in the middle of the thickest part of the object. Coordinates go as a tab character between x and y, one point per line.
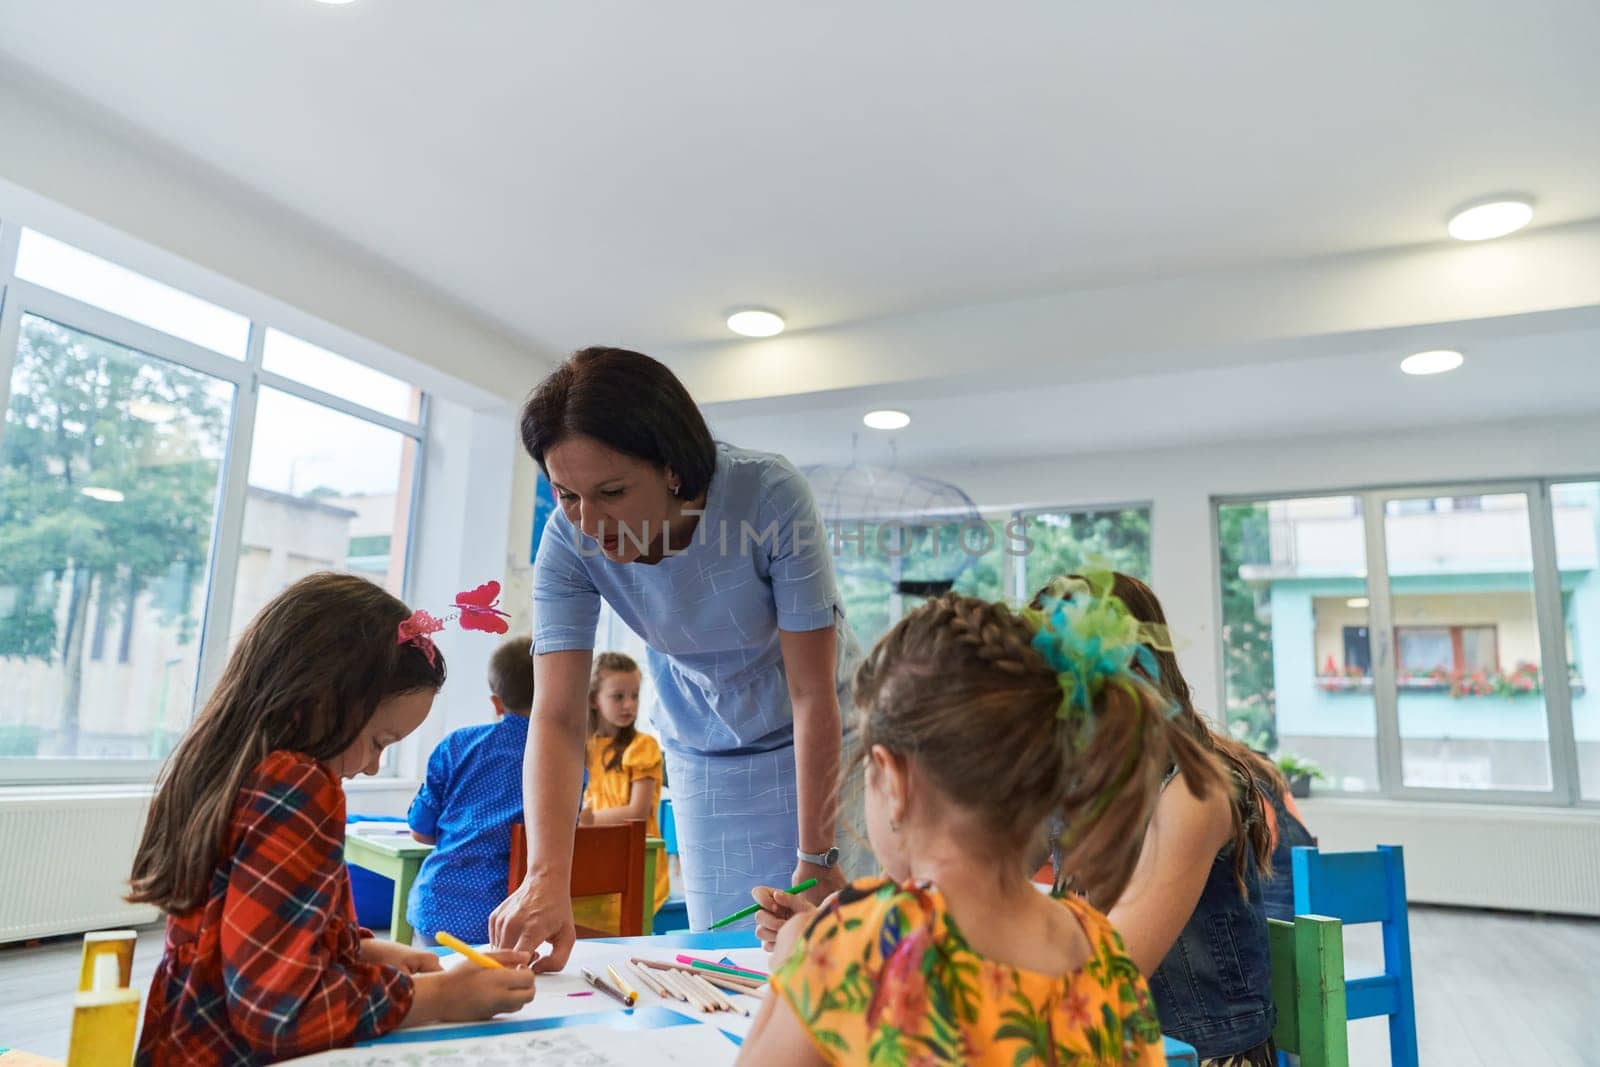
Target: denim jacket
1214	989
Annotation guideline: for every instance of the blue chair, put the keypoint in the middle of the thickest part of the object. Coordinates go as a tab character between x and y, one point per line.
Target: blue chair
674	914
1367	887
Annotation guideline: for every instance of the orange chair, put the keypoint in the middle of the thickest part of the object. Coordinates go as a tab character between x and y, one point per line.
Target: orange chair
605	859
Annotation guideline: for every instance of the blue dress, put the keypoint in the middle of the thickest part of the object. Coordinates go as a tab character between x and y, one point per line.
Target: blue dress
759	563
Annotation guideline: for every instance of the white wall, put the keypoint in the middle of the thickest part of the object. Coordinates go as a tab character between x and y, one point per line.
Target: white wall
1180	484
61	150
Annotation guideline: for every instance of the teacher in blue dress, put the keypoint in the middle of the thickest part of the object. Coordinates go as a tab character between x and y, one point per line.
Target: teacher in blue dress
715	556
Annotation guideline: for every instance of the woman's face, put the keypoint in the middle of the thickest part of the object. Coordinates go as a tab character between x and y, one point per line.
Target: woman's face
622	502
618	698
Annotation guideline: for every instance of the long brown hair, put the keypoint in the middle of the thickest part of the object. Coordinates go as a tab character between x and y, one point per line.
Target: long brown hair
307	675
958	687
1252	836
610	663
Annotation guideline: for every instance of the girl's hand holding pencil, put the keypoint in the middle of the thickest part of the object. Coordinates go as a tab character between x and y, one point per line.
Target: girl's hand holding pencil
777	909
470	991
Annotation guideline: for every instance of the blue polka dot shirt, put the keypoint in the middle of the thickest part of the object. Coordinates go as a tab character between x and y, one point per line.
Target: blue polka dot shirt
468	803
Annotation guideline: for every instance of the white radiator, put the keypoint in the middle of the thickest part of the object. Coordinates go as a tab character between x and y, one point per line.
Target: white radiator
64	863
1475	855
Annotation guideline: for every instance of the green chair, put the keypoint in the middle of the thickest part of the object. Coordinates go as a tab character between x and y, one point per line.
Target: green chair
1308	990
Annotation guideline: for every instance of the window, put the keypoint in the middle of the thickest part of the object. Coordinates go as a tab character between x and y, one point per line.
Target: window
119	456
1430	674
1295	618
334	374
1434	652
1460	584
1575	511
109	485
1065	542
327	491
75	273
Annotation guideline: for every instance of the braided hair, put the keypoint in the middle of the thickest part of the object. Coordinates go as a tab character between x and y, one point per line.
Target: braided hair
958	688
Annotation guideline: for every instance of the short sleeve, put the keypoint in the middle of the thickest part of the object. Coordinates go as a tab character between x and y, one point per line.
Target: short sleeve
424	814
643	758
839	952
801	570
566	604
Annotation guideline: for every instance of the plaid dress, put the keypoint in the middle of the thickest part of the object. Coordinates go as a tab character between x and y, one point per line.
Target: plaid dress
267	967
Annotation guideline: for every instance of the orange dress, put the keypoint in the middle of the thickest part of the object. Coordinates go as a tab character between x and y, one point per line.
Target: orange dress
883	976
613	788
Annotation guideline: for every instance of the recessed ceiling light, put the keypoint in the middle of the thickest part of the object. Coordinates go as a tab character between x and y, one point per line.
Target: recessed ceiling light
887	419
95	492
1488	219
756	322
1357	602
1435	362
335	1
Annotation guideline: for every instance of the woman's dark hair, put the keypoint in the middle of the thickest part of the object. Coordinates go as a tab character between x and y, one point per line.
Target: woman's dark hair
307	675
628	402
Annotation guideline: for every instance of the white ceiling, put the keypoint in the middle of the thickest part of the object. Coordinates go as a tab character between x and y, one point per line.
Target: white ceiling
1537	374
581	172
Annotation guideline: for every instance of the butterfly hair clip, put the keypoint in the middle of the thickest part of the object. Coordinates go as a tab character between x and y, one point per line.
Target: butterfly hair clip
475	609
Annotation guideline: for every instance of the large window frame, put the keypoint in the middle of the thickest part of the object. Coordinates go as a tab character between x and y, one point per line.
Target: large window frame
19	297
1565	787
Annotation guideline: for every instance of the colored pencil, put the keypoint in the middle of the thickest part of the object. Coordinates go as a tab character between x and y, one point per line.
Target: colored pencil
663	965
605	987
622	983
453	942
752	909
707	965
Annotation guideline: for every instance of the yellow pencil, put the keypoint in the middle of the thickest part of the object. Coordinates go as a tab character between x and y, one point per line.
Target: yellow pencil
451	941
622	983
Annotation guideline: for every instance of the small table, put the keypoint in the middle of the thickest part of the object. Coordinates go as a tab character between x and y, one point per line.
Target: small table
1178	1054
392	856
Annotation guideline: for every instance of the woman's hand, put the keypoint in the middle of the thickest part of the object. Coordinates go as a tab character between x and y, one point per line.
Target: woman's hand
404	957
777	908
586	816
829	881
534	914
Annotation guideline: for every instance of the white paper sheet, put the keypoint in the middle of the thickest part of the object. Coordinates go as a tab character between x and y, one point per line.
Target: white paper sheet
573	1046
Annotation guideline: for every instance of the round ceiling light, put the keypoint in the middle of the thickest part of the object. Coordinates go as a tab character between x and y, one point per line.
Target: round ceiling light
1488	219
110	496
1435	362
887	419
756	322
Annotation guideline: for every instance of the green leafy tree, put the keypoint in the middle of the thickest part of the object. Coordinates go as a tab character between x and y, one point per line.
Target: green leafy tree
1243	538
1065	542
68	428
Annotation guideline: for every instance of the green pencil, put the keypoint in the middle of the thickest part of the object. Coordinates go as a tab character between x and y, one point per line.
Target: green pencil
752	909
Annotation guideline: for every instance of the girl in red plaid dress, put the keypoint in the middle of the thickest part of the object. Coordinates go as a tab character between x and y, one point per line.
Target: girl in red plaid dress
244	845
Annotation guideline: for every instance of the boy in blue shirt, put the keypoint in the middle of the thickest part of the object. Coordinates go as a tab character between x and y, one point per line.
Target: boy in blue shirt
467	804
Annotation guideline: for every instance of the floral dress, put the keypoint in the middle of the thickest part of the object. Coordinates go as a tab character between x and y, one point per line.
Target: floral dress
883	976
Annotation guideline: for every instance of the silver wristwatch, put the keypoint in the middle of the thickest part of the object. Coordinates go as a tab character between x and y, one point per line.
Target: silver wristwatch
827	859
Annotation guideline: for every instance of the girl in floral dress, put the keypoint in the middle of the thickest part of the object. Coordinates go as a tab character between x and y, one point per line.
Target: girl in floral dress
977	724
